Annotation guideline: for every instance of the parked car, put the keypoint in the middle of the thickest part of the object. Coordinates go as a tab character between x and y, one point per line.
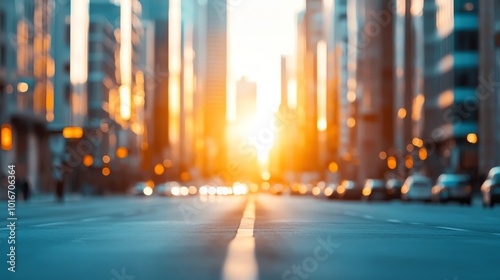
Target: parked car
375	190
165	189
417	187
294	190
490	190
142	188
453	187
331	191
319	189
349	190
277	189
393	187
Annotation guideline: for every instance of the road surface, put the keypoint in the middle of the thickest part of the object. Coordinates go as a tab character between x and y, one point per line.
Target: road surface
251	237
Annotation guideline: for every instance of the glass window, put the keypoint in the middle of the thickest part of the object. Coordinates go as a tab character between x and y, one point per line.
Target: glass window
466	77
2	21
466	6
465	111
67	32
3	55
67	93
466	40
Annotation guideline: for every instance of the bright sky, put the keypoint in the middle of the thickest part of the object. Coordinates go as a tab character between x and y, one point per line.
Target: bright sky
260	31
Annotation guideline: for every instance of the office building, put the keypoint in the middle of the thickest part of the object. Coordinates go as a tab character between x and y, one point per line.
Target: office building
25	72
370	88
488	93
215	88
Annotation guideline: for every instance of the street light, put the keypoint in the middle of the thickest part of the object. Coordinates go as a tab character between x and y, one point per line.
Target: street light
422	153
333	167
106	159
88	160
22	87
6	137
72	132
106	171
351	122
409	162
159	169
472	138
417	142
122	152
382	155
402	113
392	162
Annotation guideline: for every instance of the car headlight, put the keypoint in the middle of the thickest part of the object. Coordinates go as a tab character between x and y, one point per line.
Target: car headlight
367	191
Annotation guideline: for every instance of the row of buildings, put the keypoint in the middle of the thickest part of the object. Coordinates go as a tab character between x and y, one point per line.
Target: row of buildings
410	86
103	93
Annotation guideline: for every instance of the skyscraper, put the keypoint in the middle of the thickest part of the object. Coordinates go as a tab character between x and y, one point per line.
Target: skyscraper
370	86
156	12
215	87
25	68
489	86
404	50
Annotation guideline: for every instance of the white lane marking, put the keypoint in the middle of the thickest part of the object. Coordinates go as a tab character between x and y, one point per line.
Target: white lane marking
368	217
416	224
240	263
93	219
455	229
498	234
393	221
50	224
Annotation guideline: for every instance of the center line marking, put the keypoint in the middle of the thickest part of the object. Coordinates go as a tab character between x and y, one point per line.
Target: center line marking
50	224
94	219
240	260
455	229
394	221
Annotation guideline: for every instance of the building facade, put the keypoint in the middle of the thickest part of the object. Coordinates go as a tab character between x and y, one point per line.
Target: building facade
215	88
489	86
25	73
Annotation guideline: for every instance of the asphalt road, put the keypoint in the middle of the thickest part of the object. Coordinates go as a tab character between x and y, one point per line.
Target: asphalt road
251	237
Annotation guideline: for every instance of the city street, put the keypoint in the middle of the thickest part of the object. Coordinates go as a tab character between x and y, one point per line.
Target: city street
252	237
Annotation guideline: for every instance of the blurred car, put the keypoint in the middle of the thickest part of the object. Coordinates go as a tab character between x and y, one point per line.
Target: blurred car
302	189
330	191
417	187
319	189
375	190
452	187
490	190
142	188
393	187
276	189
349	190
294	190
165	189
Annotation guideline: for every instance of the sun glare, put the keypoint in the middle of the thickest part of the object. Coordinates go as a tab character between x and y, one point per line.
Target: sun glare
256	47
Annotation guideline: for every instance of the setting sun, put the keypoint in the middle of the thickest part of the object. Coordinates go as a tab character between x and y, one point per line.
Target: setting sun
255	49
